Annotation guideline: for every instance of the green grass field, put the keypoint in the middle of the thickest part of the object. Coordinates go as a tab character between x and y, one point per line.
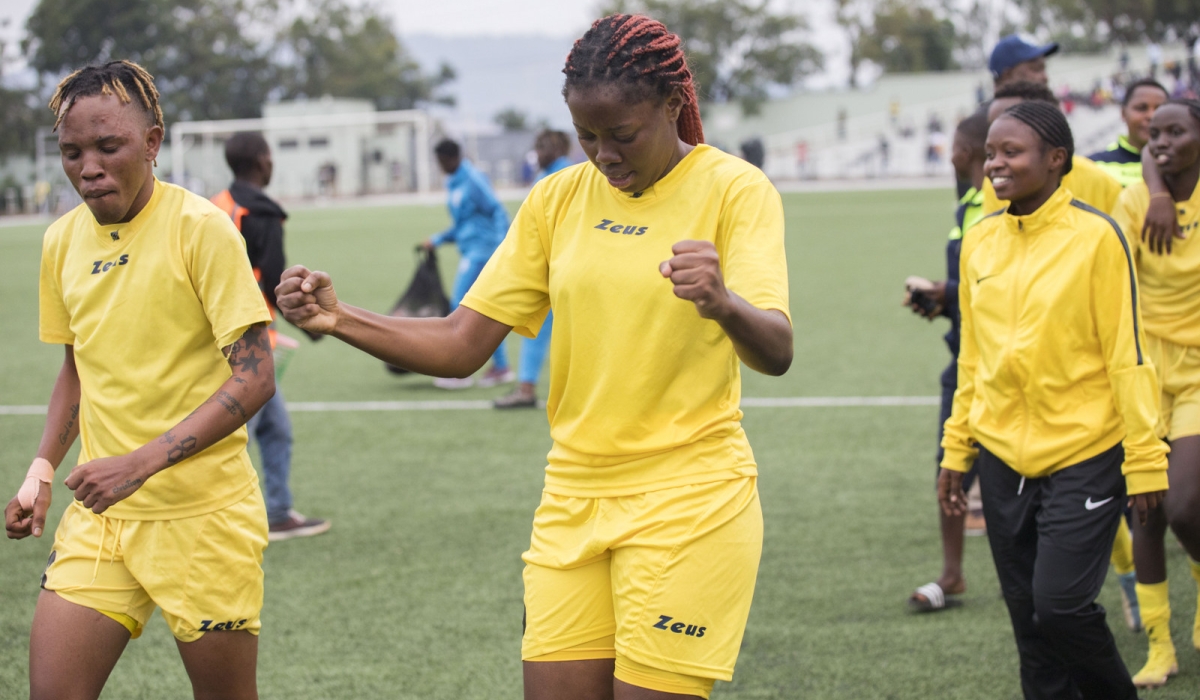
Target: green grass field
416	591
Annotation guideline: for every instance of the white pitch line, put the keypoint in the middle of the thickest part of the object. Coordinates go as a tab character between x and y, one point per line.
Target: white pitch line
392	406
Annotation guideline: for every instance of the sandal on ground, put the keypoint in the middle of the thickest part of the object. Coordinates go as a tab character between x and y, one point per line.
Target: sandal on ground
931	598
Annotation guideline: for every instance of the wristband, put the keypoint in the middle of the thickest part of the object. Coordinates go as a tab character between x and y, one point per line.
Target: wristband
41	471
1156	195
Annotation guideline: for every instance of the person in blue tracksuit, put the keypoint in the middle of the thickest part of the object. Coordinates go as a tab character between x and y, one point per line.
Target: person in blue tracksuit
552	148
479	225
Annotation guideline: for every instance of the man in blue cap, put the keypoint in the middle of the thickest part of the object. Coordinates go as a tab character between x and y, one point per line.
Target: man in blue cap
1014	59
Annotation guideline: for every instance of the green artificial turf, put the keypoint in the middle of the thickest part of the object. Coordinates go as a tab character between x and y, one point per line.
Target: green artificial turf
416	591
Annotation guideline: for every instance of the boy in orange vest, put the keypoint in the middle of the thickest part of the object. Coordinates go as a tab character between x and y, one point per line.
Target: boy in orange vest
260	219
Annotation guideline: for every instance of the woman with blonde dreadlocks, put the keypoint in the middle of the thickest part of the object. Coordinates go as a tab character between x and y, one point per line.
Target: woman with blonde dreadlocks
148	289
663	260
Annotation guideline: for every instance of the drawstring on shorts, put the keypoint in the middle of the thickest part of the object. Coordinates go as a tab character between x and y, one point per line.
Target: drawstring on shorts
112	557
1021	487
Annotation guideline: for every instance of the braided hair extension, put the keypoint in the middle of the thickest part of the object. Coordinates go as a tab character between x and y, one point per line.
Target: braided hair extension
1048	122
640	52
117	78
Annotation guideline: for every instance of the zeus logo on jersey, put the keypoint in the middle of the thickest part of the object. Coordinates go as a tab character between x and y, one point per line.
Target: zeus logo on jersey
102	266
664	623
607	225
228	626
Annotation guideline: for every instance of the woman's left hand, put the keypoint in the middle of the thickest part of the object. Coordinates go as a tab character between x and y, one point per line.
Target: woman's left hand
696	273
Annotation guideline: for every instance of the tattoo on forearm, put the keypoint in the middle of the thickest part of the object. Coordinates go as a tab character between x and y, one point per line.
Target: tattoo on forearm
232	405
168	437
238	380
131	484
65	435
250	350
178	452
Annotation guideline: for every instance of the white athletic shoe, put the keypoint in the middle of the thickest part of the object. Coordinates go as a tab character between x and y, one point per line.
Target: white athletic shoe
452	383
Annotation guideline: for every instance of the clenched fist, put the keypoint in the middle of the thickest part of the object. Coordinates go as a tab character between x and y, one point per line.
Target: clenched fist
696	273
307	300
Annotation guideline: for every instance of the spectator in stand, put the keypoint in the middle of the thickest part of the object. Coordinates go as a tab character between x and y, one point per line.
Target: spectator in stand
553	149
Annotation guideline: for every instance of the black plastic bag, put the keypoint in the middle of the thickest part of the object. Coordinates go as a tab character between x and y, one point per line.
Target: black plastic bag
425	297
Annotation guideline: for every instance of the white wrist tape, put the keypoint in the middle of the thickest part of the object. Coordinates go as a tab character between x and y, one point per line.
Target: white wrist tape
40	472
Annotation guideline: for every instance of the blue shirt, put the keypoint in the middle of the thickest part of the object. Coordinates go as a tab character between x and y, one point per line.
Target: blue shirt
558	164
480	220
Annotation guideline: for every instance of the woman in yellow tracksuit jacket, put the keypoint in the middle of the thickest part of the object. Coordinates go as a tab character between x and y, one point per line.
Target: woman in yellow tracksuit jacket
1055	402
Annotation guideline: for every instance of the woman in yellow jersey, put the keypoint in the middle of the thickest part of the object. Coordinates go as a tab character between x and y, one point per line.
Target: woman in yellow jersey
148	289
663	260
1170	297
1055	401
1090	184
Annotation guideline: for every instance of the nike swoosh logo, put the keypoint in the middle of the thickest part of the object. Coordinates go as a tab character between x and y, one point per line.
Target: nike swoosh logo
1093	506
986	277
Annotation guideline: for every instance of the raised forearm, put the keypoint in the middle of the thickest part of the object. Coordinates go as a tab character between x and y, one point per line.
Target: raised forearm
454	346
62	418
224	412
762	338
102	482
1151	175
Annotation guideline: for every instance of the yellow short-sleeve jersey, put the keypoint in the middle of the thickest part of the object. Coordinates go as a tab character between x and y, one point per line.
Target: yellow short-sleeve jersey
644	393
1087	181
148	305
1169	284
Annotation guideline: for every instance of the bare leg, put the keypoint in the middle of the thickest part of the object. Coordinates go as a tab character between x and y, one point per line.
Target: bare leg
72	650
624	691
591	679
951	580
1182	504
583	680
222	665
1149	553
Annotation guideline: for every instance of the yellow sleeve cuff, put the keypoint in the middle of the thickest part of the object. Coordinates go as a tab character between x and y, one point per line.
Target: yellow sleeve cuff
1146	482
959	460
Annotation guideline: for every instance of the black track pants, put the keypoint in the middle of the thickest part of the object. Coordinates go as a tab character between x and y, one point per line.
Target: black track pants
1051	539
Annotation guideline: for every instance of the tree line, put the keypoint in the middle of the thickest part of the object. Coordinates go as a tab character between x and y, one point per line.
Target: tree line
222	59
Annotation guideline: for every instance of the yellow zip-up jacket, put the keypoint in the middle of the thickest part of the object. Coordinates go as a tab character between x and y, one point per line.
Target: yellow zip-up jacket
1051	370
1090	183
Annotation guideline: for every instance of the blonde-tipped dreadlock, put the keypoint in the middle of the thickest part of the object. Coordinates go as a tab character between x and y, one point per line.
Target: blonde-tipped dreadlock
117	78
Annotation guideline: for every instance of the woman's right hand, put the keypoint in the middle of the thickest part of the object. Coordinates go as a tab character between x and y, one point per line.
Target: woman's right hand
950	493
21	522
1161	227
307	300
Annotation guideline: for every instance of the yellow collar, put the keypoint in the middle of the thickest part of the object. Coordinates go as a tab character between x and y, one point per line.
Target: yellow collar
1047	216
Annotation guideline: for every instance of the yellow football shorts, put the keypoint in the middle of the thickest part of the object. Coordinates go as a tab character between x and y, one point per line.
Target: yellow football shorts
205	572
661	582
1178	368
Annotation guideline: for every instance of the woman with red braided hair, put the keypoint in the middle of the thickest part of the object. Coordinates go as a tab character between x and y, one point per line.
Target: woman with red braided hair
663	260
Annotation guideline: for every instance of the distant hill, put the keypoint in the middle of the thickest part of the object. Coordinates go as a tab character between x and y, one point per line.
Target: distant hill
495	72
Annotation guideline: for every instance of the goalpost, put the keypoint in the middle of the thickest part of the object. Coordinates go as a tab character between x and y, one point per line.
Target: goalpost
317	152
